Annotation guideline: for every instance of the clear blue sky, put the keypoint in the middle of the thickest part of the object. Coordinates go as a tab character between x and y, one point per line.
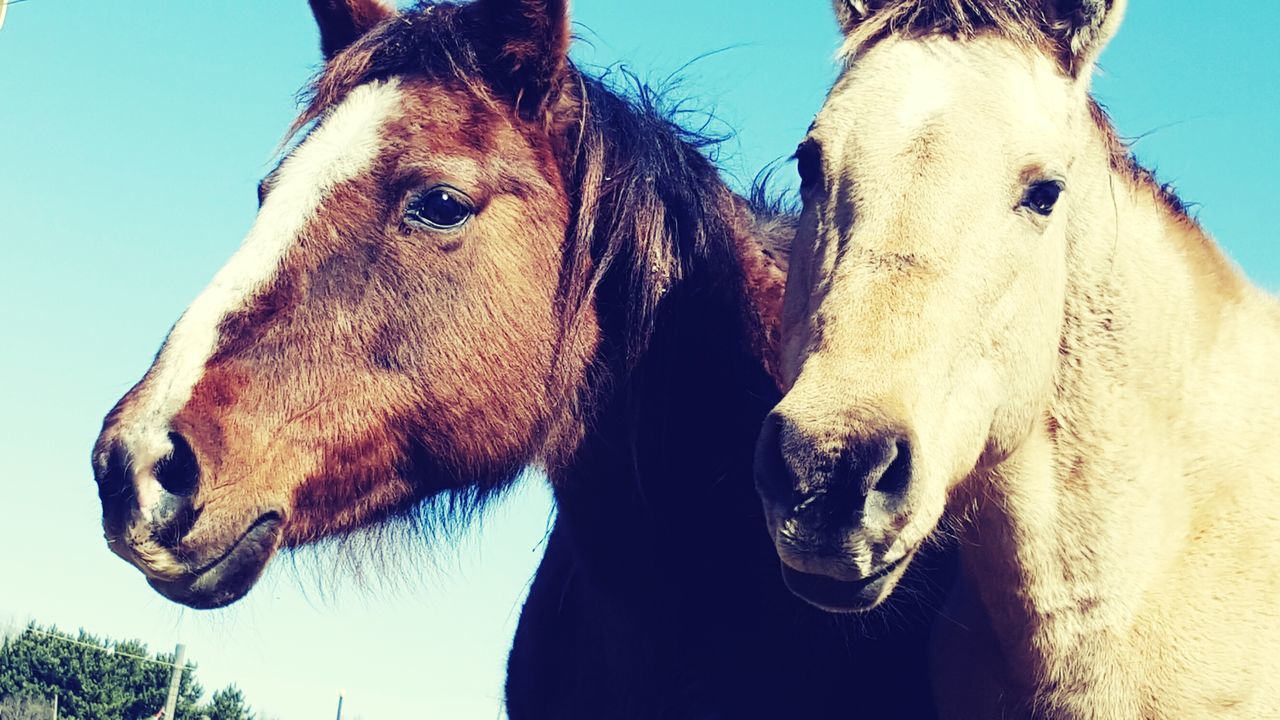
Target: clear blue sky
132	136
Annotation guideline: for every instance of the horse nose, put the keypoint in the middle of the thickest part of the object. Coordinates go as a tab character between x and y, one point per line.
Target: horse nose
166	509
178	472
827	482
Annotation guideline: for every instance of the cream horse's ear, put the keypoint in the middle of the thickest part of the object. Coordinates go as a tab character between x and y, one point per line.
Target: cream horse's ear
1083	28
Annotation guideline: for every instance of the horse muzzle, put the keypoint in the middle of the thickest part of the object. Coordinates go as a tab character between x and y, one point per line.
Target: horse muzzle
227	577
153	520
836	510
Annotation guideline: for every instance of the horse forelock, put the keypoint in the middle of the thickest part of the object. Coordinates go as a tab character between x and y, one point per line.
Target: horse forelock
427	41
1022	22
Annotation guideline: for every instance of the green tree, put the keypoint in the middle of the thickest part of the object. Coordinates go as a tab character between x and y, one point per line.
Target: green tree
228	704
93	679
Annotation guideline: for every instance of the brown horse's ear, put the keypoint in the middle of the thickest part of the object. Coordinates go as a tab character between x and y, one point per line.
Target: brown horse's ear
1082	28
342	22
849	13
528	51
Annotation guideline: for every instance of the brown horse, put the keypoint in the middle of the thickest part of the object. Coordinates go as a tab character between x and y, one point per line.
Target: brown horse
996	320
478	259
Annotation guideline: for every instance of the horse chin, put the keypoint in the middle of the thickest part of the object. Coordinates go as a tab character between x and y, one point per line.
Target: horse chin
231	575
838	595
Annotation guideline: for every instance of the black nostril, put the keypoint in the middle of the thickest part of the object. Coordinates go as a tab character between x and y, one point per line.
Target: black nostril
774	477
178	472
888	466
897	473
113	475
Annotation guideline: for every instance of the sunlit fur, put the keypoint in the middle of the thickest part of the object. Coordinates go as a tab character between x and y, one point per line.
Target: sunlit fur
1092	398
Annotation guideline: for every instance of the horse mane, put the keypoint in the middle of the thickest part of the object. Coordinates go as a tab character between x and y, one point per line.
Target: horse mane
1125	164
777	213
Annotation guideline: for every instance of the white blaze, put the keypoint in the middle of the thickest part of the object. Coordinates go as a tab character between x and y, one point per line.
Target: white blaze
342	147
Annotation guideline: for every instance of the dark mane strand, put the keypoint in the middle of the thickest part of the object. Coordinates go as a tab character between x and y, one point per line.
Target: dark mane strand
1124	163
648	206
777	212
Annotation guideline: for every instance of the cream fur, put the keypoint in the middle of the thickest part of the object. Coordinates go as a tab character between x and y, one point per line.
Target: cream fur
1093	397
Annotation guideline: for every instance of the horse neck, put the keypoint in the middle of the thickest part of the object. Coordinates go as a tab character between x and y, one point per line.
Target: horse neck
663	477
1163	421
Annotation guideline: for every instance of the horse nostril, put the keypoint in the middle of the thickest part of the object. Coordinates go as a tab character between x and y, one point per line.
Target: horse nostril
773	476
113	475
892	474
178	472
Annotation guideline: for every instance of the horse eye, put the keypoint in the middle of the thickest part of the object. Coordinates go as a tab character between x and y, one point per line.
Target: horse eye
440	208
1042	197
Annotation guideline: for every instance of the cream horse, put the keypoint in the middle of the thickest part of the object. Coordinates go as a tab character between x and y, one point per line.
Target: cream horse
999	327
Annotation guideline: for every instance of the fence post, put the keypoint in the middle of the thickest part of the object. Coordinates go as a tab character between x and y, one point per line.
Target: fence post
175	681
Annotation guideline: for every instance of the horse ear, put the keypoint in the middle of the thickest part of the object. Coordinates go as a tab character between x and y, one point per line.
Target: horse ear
1083	28
342	22
529	57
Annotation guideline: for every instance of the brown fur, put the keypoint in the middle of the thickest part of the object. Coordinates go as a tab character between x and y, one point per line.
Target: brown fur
476	399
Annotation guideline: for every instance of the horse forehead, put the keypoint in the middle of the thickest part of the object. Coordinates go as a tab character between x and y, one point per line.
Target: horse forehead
344	143
343	147
981	90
